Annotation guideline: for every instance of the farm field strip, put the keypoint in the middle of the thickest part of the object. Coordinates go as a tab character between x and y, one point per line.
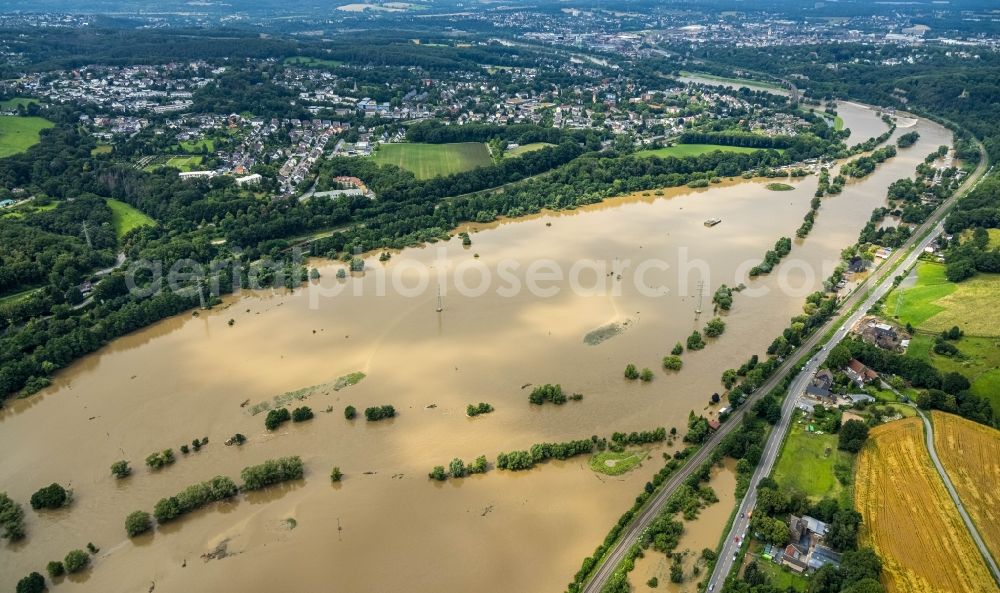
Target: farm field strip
970	453
910	520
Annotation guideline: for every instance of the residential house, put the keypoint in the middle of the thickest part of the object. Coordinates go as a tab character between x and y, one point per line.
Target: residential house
857	264
859	373
805	550
821	384
880	334
857	398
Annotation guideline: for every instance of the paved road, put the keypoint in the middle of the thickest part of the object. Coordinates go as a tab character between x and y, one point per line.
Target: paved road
929	437
739	529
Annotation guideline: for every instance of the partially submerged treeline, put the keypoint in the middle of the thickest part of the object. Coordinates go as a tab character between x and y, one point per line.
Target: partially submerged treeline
255	477
773	256
521	460
167	509
744	444
541	452
865	165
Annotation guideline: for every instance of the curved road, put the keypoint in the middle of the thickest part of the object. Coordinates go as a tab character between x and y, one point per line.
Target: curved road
609	563
730	547
929	437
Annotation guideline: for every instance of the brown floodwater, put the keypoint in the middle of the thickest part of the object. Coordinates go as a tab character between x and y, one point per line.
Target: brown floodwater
703	532
750	84
387	527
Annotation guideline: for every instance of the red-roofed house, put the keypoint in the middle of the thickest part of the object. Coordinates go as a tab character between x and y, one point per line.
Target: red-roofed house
859	372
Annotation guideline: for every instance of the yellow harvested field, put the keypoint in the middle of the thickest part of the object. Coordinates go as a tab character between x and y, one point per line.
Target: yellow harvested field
909	519
970	453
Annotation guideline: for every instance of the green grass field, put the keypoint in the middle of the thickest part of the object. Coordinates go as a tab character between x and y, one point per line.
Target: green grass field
434	160
685	150
979	361
807	460
15	297
18	134
780	187
935	304
916	304
196	146
987	385
783	579
972	306
125	218
101	149
17	102
616	464
994	237
184	163
524	148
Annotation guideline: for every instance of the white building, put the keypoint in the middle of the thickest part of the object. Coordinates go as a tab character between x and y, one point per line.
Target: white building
253	179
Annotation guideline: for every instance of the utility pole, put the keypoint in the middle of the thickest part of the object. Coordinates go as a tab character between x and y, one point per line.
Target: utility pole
701	294
440	303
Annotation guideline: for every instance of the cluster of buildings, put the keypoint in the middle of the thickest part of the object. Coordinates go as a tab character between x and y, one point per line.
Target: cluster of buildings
164	88
321	90
821	391
309	139
805	551
237	144
106	128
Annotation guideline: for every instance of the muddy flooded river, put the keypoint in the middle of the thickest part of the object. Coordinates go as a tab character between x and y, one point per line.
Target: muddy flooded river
702	532
386	527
